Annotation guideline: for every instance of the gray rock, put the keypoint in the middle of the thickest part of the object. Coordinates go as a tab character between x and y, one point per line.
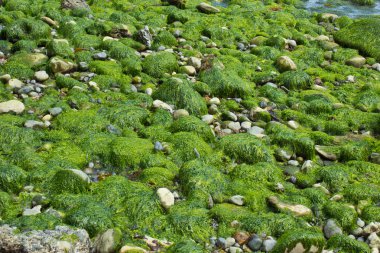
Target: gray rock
293	162
375	158
221	243
15	83
12	106
46	241
230	242
32	211
34	124
255	130
145	36
356	61
360	223
195	62
284	63
255	243
100	56
158	146
166	197
237	200
269	244
234	126
107	242
55	111
373	241
331	228
41	76
235	250
59	65
74	4
206	8
208	118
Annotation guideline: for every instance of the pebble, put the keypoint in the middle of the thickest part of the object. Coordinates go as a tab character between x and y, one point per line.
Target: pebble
293	124
230	242
307	165
149	91
269	244
34	124
241	237
100	56
360	223
331	228
213	109
190	70
237	200
160	104
12	106
15	83
32	211
5	78
41	76
221	243
208	118
55	111
166	197
246	125
214	101
255	130
293	162
231	116
180	113
158	146
234	126
235	250
255	243
47	117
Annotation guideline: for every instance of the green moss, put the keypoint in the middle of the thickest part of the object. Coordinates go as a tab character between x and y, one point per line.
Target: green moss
352	36
8	209
271	223
66	181
128	152
335	177
127	116
157	177
334	127
180	93
161	117
68	153
307	238
110	68
160	63
27	28
185	246
226	83
59	48
12	178
186	146
158	160
371	214
164	38
24	45
68	82
344	214
155	133
301	144
92	216
362	191
345	244
42	221
194	125
295	80
86	41
190	222
266	52
119	51
258	173
358	151
18	70
246	148
81	121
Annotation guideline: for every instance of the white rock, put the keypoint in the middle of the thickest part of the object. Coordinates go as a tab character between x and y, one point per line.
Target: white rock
160	104
190	70
12	106
351	79
256	130
195	62
237	200
34	124
149	91
293	162
15	83
64	246
180	113
246	125
214	101
41	76
307	165
234	126
208	118
376	66
373	241
166	197
33	211
322	38
360	223
293	124
82	175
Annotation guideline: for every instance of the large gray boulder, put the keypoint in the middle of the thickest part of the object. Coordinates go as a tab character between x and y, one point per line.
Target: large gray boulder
44	241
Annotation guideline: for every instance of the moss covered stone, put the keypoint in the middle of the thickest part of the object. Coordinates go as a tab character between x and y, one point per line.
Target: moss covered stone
160	63
246	148
344	243
67	181
195	125
12	178
300	239
345	215
180	93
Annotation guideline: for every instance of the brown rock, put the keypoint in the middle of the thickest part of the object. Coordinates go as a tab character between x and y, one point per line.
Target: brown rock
241	237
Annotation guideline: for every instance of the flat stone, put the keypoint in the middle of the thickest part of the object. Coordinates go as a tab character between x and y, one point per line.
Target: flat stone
34	124
180	113
166	197
15	83
331	228
356	61
160	104
324	154
12	106
255	130
237	200
41	76
33	211
58	65
206	8
208	118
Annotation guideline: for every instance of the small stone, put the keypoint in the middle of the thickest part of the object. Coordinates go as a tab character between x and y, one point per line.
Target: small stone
325	154
189	70
373	241
34	124
246	125
356	61
41	76
284	63
230	242
145	36
195	62
180	113
47	117
357	231
5	78
33	211
160	104
12	106
293	124
297	210
59	65
15	83
360	223
241	237
55	111
234	126
269	244
235	250
371	228
291	43
100	56
149	91
214	101
206	8
208	118
293	162
376	66
331	228
255	243
166	197
227	131
158	146
231	116
221	243
322	38
350	79
307	165
255	130
107	242
132	249
237	200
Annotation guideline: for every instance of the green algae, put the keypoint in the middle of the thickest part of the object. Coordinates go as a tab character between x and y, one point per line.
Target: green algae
160	63
307	238
194	125
66	181
345	244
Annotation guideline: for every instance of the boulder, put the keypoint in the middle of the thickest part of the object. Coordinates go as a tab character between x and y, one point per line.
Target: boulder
12	106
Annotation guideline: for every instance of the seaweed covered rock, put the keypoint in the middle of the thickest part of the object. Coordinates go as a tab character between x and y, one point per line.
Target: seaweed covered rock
246	148
68	181
180	93
300	241
193	124
74	4
284	63
160	63
347	244
12	178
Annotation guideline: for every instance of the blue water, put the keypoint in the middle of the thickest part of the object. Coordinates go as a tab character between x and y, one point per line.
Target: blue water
342	8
